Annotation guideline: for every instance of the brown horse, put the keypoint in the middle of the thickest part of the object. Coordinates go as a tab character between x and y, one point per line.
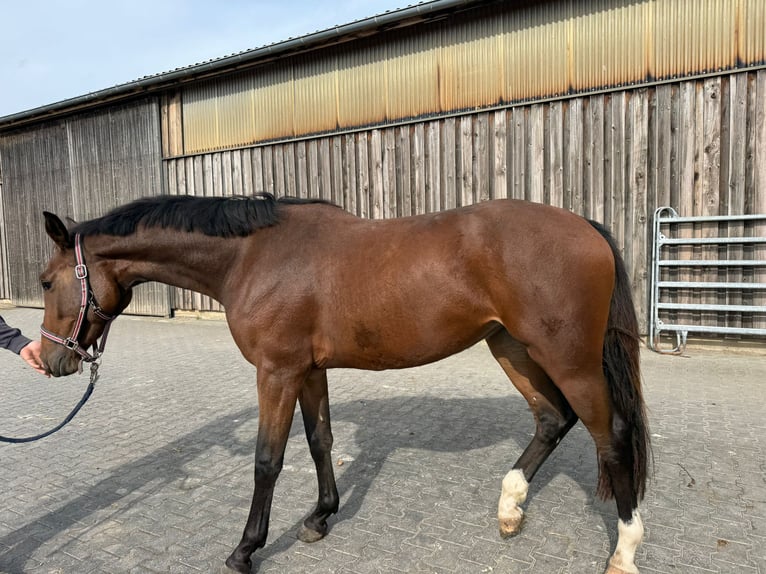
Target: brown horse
308	287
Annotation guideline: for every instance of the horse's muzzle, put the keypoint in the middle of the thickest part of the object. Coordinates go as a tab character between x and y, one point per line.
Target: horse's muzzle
61	364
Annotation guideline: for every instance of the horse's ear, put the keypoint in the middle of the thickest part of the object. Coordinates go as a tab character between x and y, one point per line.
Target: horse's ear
57	231
70	223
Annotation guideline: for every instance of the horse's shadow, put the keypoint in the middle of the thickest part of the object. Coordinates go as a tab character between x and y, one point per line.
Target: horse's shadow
433	424
426	423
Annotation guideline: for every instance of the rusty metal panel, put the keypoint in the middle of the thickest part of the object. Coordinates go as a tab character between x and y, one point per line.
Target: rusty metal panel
219	113
274	102
693	37
534	52
200	117
607	45
750	22
413	73
489	55
316	103
469	62
361	87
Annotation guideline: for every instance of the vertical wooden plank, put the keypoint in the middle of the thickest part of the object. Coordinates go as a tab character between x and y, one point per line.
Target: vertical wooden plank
418	169
390	204
759	181
349	174
258	168
325	170
199	175
617	191
573	162
301	185
207	171
363	175
377	204
687	147
403	172
336	161
172	178
699	145
433	155
280	182
636	229
268	170
236	172
247	171
181	177
662	144
465	161
711	165
498	158
519	153
289	169
449	165
759	120
227	167
734	183
188	163
218	177
480	160
313	187
555	154
536	157
598	183
674	145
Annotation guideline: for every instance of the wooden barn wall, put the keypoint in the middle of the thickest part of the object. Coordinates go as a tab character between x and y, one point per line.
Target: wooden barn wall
78	167
698	146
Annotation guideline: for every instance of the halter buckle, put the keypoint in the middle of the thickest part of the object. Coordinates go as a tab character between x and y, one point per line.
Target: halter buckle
71	344
80	271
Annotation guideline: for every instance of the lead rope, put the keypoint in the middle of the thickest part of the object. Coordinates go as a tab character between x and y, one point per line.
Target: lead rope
75	410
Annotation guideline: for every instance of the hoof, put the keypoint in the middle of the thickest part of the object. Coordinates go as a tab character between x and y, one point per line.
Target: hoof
612	569
510	524
309	535
237	565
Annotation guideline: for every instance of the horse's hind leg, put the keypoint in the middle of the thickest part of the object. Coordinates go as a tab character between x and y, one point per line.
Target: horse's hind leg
553	417
588	393
315	409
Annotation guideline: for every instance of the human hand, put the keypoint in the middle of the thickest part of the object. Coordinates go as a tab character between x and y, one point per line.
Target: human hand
31	354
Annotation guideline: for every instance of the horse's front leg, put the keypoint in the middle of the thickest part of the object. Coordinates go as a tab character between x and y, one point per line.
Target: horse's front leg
315	409
277	395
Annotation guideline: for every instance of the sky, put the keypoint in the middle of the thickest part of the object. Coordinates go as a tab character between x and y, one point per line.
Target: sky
53	50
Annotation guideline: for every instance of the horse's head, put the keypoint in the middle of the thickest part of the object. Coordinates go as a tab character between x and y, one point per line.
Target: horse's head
80	301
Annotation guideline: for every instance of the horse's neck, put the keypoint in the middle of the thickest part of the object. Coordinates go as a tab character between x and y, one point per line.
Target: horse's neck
187	260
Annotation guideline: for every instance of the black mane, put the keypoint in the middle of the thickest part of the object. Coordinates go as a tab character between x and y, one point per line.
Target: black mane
236	216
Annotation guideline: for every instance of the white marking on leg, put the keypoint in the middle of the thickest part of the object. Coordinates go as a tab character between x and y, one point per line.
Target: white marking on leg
514	492
630	535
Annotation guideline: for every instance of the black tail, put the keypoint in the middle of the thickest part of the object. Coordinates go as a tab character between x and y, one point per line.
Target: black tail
622	369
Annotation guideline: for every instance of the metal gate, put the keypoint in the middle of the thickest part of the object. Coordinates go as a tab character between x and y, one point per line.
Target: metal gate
708	276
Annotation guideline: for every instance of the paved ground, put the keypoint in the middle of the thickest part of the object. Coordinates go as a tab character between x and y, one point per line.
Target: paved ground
155	474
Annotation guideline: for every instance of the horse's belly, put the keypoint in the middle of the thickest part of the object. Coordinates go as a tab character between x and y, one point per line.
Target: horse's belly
370	351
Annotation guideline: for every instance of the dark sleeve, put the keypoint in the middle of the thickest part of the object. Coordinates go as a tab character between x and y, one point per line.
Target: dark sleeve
11	338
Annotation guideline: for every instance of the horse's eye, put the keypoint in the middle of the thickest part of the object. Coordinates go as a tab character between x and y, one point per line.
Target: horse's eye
46	285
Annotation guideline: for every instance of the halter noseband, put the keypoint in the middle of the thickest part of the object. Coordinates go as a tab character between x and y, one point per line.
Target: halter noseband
87	300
